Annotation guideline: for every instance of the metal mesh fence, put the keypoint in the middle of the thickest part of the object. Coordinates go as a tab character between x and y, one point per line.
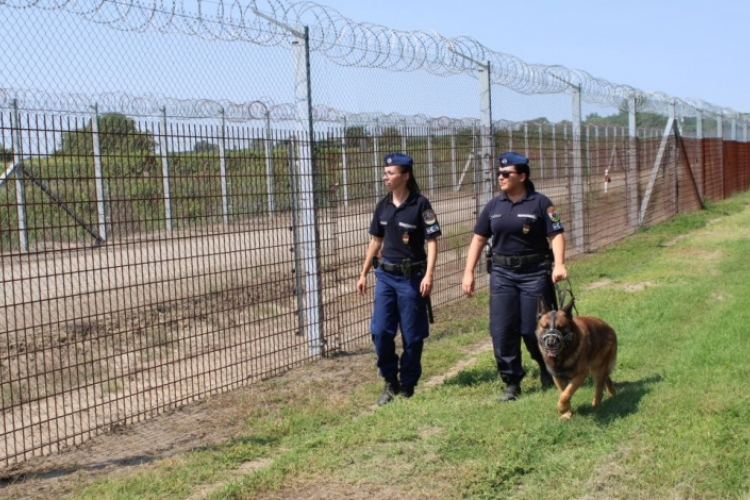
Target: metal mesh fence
155	250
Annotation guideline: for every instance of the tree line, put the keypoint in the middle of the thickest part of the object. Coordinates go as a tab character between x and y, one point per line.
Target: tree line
119	134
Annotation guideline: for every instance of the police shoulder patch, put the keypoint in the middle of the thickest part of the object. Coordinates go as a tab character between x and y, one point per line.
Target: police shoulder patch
429	217
552	212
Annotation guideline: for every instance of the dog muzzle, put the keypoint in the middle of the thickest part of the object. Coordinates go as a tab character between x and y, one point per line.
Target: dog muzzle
551	340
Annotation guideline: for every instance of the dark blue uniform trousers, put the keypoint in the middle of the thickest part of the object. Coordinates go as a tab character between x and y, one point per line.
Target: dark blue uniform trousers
514	292
399	303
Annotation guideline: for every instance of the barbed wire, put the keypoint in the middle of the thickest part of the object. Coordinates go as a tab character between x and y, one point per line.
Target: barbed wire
350	43
260	109
263	109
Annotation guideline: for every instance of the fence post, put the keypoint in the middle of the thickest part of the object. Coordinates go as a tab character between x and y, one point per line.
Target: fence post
476	162
700	152
98	177
453	159
541	152
588	151
526	139
577	233
430	163
598	147
17	146
376	159
223	168
268	152
403	138
296	233
163	150
308	204
674	188
606	147
485	113
631	174
720	135
554	150
485	110
344	177
510	137
566	157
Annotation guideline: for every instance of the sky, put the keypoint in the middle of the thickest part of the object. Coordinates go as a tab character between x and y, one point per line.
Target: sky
687	49
684	48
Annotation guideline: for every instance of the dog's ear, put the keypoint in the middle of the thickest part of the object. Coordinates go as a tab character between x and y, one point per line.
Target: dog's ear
541	307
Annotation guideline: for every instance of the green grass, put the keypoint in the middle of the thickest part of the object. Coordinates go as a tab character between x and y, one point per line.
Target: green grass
677	296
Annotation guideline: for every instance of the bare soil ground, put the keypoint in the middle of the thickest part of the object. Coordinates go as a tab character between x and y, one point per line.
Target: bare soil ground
203	425
108	337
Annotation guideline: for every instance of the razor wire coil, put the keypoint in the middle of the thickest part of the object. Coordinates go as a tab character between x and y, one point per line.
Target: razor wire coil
260	109
350	43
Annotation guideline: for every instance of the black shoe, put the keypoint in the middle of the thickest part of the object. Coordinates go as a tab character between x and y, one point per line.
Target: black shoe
406	391
389	392
546	379
512	391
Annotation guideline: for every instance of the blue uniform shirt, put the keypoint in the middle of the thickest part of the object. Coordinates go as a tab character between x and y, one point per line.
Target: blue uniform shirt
404	229
519	228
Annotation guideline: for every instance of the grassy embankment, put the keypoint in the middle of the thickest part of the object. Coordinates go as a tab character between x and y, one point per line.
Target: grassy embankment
677	295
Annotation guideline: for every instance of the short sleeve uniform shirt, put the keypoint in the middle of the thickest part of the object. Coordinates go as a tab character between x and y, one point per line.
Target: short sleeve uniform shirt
405	228
519	228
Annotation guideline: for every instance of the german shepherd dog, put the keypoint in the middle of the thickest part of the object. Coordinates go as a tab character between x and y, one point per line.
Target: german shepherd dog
572	347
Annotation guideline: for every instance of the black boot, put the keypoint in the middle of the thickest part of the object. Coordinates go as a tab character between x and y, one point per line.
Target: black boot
389	392
406	391
512	391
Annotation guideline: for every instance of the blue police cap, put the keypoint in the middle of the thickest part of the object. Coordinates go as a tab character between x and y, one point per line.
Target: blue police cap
398	159
512	158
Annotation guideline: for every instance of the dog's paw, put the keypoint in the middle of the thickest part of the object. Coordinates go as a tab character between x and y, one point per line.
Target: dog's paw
563	406
567	415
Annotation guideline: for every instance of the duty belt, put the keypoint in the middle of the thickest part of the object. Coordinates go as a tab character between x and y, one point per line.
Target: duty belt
518	260
404	270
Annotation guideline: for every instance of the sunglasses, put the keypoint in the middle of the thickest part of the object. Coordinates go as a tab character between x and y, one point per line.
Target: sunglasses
505	173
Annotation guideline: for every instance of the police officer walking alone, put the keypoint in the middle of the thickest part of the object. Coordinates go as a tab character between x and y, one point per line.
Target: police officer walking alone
403	223
522	224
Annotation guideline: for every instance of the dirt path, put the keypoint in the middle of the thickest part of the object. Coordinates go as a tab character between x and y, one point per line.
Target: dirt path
200	425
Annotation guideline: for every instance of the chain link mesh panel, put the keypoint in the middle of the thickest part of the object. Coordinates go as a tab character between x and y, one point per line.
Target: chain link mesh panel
183	212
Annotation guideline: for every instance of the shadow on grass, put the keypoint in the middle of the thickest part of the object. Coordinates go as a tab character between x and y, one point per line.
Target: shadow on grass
473	376
625	402
483	374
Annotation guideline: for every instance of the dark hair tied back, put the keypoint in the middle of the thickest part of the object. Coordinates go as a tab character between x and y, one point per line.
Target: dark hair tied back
524	169
411	184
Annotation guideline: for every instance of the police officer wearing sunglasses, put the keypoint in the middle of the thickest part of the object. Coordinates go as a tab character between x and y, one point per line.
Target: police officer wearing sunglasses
522	225
403	223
